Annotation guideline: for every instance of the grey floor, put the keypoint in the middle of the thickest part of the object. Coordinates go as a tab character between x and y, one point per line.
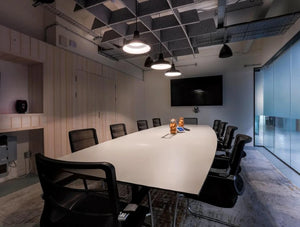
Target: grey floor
16	184
284	169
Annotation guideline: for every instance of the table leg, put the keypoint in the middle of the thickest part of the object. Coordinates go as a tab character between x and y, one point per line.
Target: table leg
150	207
175	211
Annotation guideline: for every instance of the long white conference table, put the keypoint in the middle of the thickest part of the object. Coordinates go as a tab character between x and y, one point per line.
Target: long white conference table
157	159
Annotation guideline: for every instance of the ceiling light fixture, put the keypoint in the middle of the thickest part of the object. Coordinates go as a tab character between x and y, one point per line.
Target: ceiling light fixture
225	52
173	71
148	62
136	45
161	63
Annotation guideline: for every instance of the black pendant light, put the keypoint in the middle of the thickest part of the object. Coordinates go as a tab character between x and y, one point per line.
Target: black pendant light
136	45
225	52
148	62
172	72
161	63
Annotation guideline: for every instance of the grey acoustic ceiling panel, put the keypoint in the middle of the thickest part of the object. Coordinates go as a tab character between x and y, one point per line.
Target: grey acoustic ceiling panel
175	27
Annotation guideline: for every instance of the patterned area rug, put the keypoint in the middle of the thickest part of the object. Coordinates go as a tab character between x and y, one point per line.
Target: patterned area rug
269	200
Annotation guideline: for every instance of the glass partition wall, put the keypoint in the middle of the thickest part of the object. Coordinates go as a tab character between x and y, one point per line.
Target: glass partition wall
277	105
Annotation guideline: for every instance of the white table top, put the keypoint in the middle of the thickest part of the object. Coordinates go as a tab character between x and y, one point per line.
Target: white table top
179	162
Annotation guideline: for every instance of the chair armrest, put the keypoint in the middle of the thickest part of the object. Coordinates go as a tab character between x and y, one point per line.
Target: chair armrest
223	173
133	218
223	152
224	149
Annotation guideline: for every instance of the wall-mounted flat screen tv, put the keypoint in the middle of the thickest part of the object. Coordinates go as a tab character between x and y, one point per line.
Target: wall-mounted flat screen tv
197	91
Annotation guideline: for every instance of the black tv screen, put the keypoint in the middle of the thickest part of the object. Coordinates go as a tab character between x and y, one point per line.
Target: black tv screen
197	91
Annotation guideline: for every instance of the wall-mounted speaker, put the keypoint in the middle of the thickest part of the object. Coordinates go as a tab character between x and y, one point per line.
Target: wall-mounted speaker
21	106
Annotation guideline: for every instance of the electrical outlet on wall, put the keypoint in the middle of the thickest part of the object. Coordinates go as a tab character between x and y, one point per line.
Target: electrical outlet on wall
27	154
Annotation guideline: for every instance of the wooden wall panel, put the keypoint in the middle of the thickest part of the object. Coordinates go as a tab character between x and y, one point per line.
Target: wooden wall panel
77	93
35	88
69	72
139	100
49	102
57	102
129	100
63	102
42	51
34	48
36	144
107	107
98	107
25	45
125	105
92	106
15	42
4	39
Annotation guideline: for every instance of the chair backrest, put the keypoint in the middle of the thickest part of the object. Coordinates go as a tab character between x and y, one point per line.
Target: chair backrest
191	120
65	201
82	138
221	130
229	135
156	122
142	125
237	152
117	130
216	125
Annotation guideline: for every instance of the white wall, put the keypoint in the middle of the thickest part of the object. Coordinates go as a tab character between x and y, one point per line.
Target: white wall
23	17
237	106
273	44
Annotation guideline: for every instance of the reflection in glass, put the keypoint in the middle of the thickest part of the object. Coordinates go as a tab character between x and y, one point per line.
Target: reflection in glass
282	143
277	107
295	144
259	130
269	131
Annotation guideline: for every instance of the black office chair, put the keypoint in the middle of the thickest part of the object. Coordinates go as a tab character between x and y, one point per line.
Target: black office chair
223	188
156	122
82	138
216	126
191	120
225	143
142	125
117	130
74	205
221	130
230	164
